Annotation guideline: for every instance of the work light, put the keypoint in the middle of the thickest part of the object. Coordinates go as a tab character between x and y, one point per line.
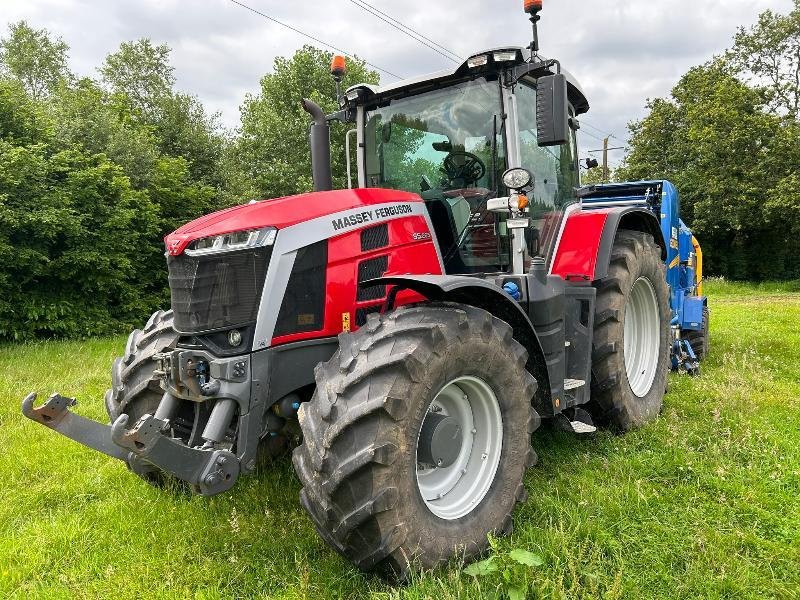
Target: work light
230	242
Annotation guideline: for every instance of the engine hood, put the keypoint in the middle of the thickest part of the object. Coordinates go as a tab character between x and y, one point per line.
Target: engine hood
280	213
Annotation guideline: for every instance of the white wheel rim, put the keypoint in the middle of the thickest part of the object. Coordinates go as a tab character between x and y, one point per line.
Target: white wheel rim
456	490
642	332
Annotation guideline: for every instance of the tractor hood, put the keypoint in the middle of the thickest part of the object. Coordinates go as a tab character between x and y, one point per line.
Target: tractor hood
280	213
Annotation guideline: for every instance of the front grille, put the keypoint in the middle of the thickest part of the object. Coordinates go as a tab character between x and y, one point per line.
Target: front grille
217	291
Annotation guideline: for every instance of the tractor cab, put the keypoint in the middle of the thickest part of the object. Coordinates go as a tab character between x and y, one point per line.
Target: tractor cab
451	136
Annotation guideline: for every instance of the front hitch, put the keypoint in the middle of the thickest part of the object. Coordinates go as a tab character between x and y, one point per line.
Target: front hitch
144	446
56	414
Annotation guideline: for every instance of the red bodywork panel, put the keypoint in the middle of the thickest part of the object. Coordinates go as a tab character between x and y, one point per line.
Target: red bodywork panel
406	255
410	250
576	255
280	213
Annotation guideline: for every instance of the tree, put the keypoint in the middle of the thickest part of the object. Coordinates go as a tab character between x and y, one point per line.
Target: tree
768	57
74	234
86	115
715	139
30	56
594	176
142	72
272	150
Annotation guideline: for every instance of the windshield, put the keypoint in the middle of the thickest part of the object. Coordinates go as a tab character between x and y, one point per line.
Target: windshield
446	145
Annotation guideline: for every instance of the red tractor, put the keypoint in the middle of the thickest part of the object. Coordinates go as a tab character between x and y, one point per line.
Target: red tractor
407	335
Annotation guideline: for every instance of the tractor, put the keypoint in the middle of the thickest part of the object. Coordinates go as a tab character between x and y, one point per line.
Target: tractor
406	336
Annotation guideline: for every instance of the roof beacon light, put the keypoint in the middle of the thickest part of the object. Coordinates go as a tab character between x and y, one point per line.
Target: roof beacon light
478	61
338	67
533	6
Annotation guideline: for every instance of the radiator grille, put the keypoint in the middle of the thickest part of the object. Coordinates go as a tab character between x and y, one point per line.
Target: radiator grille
217	291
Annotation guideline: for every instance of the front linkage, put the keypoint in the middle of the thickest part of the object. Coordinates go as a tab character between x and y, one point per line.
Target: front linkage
143	447
207	463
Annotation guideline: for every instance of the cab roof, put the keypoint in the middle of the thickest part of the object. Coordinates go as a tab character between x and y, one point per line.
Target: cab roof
576	94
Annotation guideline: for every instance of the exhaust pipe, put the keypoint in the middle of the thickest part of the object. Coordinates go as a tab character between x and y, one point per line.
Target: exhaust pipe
320	139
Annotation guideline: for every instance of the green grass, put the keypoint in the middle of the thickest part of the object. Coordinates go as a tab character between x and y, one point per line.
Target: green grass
702	503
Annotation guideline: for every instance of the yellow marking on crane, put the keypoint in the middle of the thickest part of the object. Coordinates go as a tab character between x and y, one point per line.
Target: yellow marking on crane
698	269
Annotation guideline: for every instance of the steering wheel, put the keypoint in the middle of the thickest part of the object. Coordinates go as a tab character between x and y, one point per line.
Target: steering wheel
471	171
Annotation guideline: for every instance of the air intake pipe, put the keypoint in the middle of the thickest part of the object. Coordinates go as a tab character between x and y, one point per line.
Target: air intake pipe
320	139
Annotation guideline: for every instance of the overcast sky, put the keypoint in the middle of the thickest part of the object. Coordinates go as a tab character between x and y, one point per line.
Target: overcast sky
623	52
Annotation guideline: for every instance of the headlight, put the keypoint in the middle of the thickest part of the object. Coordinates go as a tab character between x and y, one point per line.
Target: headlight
230	242
516	179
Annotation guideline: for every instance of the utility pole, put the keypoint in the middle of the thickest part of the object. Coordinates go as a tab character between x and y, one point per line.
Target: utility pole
606	171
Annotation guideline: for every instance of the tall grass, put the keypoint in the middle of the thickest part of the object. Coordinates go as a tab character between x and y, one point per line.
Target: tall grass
702	503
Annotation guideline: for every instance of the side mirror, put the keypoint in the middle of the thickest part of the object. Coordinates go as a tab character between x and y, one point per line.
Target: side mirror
552	115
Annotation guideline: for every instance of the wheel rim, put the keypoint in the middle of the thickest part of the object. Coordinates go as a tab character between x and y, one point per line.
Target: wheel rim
453	491
642	331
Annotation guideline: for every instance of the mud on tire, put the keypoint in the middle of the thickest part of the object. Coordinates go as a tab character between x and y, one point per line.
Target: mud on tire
358	459
634	256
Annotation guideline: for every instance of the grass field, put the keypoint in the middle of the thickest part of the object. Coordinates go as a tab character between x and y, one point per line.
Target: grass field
702	503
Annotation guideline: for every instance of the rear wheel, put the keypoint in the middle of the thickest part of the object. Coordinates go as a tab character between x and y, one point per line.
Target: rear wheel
630	358
417	439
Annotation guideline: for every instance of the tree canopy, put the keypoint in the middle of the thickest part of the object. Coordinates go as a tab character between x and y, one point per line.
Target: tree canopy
729	138
271	151
33	58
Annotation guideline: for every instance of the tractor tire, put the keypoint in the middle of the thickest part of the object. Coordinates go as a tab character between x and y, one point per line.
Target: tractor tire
135	390
632	302
363	434
699	340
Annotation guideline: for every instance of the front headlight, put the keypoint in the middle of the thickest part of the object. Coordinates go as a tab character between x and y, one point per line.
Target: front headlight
230	242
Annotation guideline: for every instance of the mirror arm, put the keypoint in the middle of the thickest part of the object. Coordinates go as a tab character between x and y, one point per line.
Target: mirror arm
346	115
537	68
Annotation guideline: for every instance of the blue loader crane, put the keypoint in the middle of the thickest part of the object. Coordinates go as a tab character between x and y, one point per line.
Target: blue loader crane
684	262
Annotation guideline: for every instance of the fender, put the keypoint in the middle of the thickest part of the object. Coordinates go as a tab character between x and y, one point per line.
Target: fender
584	252
480	294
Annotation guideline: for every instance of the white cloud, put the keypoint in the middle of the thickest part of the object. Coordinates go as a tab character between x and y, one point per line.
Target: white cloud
623	52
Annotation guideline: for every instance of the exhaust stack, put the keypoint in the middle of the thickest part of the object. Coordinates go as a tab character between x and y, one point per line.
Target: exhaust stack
320	139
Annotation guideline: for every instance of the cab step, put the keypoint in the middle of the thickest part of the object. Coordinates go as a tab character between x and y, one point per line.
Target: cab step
580	427
575	420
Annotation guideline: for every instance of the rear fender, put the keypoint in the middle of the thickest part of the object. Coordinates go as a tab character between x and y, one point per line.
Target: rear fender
584	252
480	294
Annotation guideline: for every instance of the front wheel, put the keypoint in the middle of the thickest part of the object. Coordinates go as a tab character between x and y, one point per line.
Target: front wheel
417	439
631	346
